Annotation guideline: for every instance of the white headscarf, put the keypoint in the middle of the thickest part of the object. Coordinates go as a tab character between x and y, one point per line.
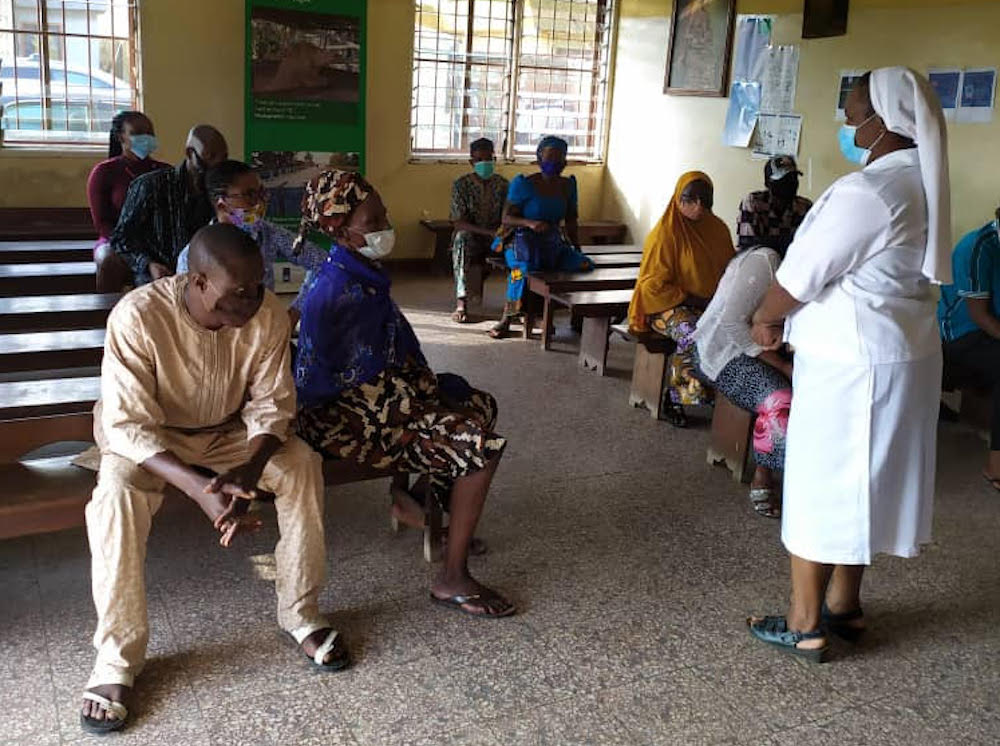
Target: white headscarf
910	107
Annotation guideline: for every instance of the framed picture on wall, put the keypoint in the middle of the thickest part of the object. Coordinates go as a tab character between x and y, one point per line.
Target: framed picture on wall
700	47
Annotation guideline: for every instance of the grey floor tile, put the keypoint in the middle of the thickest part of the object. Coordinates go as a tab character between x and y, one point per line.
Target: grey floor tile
584	720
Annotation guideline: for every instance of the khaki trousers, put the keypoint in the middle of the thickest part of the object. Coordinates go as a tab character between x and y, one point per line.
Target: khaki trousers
119	516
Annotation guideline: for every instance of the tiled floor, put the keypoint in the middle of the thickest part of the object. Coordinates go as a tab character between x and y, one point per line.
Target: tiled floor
634	562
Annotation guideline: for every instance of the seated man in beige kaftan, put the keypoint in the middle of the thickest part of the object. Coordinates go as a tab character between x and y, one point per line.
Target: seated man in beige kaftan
196	371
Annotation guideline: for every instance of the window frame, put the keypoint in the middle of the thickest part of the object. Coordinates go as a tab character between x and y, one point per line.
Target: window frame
49	33
599	130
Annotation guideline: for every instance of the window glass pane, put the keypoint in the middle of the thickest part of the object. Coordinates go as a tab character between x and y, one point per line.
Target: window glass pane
86	48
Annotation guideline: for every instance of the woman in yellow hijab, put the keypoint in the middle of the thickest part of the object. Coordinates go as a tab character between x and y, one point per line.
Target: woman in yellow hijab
682	261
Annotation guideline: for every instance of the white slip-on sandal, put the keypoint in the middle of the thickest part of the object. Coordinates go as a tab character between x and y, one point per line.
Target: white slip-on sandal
330	643
118	709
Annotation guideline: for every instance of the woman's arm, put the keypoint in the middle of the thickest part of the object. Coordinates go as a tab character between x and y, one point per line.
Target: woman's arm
769	319
102	212
512	219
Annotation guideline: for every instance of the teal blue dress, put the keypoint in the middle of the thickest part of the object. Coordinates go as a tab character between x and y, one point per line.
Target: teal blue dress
541	252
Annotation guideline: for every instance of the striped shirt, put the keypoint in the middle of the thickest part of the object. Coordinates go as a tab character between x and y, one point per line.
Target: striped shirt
976	270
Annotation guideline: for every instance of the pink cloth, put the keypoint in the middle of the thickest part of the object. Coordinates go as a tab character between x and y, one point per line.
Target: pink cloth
772	420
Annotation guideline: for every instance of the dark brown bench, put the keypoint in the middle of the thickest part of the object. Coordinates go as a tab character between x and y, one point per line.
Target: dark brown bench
49	494
39	313
731	438
544	284
78	348
616	260
34	252
597	308
40	223
55	278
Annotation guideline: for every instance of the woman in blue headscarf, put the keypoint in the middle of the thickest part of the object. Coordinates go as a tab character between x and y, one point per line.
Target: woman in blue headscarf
537	207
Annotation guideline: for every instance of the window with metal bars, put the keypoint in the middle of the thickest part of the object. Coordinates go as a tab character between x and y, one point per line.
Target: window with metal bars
66	68
513	71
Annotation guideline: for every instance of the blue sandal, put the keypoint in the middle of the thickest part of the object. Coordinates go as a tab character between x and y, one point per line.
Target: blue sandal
838	623
774	631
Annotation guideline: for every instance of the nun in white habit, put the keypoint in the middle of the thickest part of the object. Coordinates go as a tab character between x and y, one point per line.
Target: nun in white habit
855	298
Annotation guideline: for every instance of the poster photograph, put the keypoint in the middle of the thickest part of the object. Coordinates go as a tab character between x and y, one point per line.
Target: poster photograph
304	65
286	173
700	47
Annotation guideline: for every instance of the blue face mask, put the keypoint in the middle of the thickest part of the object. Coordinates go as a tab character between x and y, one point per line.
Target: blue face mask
484	169
143	145
849	148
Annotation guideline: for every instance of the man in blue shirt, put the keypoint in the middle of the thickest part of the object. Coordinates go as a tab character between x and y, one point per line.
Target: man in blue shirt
969	317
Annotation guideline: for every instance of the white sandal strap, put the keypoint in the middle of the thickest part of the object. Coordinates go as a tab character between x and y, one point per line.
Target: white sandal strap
115	708
324	650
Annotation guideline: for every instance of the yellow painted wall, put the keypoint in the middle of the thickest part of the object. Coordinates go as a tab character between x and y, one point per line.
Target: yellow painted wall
193	71
654	137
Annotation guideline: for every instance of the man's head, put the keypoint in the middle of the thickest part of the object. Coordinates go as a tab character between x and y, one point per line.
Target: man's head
226	270
781	177
205	148
481	157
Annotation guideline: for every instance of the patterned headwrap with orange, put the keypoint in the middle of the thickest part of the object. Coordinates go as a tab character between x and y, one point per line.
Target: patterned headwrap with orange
328	202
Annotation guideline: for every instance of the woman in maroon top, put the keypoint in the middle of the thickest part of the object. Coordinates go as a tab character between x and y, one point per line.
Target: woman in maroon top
132	140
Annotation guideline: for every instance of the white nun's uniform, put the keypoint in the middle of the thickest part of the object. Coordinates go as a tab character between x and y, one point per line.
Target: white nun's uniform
860	454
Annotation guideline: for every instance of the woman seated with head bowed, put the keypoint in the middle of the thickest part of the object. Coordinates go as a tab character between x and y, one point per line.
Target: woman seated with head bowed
751	377
682	262
131	143
366	393
537	205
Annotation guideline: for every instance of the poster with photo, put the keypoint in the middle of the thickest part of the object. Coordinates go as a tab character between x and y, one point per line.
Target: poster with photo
305	94
846	79
285	174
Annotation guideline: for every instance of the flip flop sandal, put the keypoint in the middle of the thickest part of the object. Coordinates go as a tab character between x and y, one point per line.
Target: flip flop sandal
773	630
460	317
499	331
332	643
838	623
674	414
458	602
763	502
118	709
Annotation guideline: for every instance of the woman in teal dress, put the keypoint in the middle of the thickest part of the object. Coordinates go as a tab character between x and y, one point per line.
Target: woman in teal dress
537	208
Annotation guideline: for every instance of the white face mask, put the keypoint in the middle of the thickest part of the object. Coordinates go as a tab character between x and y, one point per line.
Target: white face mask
378	245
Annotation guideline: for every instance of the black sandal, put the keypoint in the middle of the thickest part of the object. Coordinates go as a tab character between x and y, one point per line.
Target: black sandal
499	331
460	601
838	623
674	414
100	727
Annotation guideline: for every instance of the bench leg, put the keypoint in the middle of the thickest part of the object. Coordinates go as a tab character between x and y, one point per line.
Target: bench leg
433	532
731	438
594	343
648	374
546	322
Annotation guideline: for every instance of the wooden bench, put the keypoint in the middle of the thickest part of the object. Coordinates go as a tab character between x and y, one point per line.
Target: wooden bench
49	494
597	308
54	278
544	284
731	438
616	260
649	368
39	223
34	252
51	350
39	313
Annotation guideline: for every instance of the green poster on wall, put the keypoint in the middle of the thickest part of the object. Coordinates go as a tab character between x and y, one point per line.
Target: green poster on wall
305	94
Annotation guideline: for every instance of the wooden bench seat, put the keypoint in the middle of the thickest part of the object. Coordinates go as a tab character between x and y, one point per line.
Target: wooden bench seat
39	313
616	260
649	368
34	252
731	439
54	278
48	397
545	284
38	223
78	348
597	308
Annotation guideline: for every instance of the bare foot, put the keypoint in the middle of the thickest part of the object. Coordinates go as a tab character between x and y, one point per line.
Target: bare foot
114	692
406	509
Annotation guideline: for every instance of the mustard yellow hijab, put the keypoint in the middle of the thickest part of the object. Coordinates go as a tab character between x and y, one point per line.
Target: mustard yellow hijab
681	257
